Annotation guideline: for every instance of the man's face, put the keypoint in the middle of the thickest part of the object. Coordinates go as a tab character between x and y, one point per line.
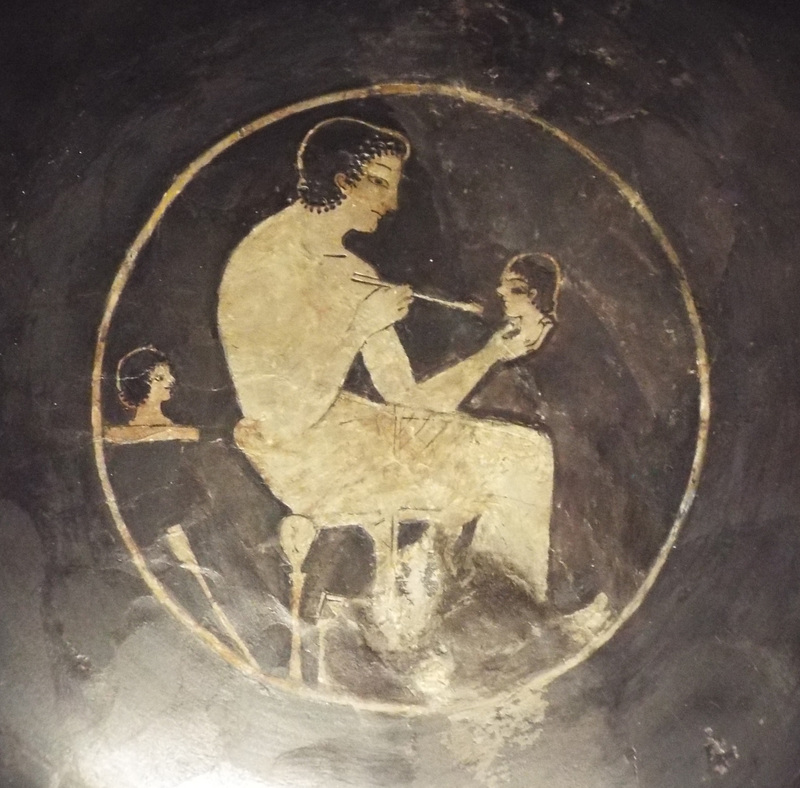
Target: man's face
375	194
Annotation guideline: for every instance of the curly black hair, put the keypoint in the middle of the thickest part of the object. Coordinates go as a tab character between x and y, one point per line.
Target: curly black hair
341	145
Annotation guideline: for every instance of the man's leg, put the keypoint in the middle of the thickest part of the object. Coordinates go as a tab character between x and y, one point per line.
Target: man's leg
514	524
497	472
455	466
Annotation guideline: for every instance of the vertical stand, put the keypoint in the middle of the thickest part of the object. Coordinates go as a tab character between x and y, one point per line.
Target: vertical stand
296	536
296	658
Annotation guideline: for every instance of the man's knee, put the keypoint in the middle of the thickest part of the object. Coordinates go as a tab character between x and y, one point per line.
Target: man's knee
515	440
249	440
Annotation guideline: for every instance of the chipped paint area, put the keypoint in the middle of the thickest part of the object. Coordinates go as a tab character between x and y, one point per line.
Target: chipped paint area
720	755
478	739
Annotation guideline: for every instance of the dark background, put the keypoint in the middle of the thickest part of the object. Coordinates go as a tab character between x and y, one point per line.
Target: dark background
695	104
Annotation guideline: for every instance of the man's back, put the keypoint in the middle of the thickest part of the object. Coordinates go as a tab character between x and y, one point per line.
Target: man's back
283	312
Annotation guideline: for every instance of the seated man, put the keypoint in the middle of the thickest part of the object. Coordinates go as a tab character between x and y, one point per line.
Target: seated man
292	318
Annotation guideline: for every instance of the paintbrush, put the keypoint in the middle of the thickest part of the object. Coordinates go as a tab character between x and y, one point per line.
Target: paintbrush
464	306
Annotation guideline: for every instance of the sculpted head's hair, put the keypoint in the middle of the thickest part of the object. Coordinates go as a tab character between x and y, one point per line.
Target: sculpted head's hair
341	145
542	274
133	374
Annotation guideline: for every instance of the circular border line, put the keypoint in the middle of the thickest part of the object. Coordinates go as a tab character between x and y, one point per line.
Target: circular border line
464	95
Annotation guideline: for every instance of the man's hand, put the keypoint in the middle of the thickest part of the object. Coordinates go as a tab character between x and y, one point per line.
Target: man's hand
516	338
381	308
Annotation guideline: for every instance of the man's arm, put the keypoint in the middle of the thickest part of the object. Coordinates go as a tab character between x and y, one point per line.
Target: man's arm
390	370
386	360
287	379
388	365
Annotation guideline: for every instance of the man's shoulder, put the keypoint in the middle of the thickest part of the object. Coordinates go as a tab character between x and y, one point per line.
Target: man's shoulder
271	238
271	231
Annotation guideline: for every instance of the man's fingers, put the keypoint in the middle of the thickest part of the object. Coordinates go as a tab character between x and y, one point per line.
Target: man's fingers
404	298
512	329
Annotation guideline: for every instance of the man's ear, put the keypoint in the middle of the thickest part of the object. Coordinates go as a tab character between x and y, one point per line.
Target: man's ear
340	179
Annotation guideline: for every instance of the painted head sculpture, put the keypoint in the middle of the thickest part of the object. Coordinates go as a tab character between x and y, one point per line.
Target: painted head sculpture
529	288
144	383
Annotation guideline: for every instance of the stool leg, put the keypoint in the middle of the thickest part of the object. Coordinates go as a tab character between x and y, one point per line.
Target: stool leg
297	534
384	539
296	657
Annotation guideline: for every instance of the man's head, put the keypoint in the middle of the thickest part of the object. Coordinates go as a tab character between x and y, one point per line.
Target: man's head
347	159
144	374
529	280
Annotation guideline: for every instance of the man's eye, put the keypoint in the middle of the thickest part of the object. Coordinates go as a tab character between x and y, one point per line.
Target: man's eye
518	290
379	181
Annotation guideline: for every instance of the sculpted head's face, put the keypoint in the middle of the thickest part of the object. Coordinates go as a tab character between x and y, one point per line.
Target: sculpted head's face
516	294
161	382
374	194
